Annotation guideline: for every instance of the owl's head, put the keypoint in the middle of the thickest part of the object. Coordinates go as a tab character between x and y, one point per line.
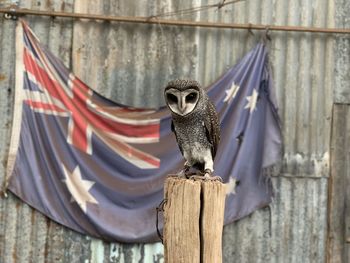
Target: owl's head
182	96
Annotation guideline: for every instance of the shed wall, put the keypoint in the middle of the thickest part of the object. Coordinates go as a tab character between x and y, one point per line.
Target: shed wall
131	64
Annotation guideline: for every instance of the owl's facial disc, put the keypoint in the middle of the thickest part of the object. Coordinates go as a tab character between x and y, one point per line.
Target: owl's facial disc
182	102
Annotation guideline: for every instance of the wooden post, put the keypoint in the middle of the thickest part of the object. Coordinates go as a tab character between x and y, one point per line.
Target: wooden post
181	217
193	220
212	220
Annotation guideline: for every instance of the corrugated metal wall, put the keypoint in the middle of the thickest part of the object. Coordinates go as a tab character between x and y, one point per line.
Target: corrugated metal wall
338	238
131	63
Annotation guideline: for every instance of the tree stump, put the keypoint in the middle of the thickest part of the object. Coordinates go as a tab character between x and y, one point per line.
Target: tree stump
193	220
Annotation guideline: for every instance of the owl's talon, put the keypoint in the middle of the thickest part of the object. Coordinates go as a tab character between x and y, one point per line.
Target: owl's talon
173	176
216	178
182	174
196	177
208	175
205	177
187	166
208	172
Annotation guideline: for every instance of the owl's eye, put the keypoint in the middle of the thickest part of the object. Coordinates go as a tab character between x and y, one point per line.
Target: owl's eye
171	98
191	97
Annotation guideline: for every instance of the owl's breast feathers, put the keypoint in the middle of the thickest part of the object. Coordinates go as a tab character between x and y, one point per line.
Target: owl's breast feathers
199	127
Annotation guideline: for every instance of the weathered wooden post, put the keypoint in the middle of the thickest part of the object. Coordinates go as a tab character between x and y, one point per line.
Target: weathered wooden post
181	220
193	220
212	220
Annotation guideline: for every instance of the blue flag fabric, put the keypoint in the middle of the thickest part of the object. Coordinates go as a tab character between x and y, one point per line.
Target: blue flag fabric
98	167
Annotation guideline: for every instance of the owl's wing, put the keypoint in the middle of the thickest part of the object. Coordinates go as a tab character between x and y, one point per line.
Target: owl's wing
212	127
173	130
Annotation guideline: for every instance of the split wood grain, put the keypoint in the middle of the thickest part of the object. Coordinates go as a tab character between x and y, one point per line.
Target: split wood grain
193	220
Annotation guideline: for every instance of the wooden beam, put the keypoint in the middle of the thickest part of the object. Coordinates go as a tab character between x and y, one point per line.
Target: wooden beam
338	232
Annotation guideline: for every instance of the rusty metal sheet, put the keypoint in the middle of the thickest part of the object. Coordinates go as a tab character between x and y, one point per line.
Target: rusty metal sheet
289	231
131	64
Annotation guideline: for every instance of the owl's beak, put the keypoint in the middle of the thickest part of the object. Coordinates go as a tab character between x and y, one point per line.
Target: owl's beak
182	105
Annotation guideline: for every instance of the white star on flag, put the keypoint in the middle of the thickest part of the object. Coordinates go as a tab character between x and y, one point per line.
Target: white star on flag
251	105
231	186
231	93
78	187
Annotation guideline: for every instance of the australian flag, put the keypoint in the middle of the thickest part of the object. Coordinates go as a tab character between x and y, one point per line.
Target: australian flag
98	167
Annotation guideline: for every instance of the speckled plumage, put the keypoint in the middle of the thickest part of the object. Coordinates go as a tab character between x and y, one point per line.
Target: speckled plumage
198	132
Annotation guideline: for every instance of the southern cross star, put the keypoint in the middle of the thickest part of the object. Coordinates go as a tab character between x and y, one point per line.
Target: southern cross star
231	186
78	187
231	93
251	105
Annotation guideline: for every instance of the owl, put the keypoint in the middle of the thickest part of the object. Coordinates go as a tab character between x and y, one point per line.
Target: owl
195	124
